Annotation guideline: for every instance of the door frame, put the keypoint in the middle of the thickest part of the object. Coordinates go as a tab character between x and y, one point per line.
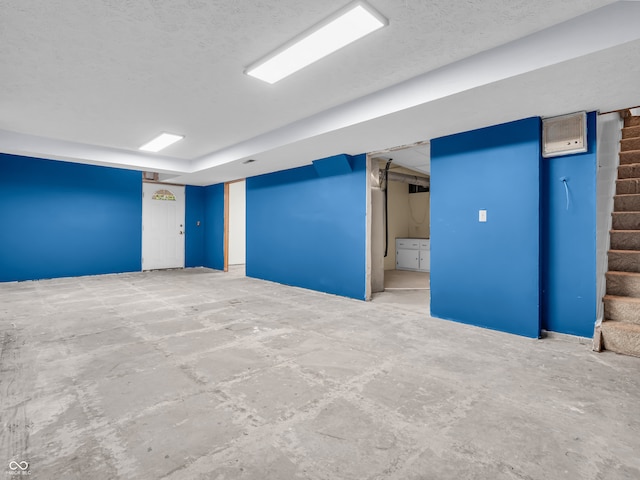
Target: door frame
184	245
376	217
226	221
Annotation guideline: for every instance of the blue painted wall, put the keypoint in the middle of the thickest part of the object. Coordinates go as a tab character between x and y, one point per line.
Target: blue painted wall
214	226
569	240
194	233
63	219
487	274
308	230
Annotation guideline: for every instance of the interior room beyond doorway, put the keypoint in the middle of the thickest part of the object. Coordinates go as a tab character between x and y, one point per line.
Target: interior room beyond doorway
401	234
235	234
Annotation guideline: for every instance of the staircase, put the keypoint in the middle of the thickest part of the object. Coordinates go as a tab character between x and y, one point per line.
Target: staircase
620	329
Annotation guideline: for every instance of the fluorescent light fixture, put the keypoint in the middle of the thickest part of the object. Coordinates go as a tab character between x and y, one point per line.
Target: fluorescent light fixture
353	22
161	141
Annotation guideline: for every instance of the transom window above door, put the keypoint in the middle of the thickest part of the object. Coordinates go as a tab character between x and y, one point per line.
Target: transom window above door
164	195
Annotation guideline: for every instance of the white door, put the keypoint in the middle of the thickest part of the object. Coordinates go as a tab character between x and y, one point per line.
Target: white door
162	226
237	223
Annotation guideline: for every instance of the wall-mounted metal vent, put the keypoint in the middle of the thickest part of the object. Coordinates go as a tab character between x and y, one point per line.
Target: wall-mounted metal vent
564	135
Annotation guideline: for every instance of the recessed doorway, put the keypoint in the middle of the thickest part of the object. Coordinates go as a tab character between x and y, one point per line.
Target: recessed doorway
399	240
235	231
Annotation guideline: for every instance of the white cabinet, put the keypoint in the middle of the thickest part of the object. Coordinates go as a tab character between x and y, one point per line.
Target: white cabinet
412	254
424	261
425	254
407	259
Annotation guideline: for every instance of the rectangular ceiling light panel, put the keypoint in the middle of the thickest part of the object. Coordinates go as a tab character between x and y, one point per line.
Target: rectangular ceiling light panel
160	142
344	27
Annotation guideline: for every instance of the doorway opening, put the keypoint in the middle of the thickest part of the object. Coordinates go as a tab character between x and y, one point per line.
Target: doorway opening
235	246
399	227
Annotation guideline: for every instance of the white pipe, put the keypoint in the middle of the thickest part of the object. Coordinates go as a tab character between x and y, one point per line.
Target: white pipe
405	178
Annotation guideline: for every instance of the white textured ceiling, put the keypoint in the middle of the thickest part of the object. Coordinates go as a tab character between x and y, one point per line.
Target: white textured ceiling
92	81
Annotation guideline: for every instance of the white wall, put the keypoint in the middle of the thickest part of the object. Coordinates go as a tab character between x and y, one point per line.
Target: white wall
408	215
609	134
237	223
398	208
419	215
377	240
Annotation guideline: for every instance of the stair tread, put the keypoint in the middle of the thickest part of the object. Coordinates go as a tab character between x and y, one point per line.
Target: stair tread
623	274
621	337
612	230
622	299
614	250
629	327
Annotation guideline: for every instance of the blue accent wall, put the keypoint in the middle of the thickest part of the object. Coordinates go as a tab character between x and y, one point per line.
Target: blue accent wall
63	219
214	226
336	165
569	240
309	231
487	274
194	233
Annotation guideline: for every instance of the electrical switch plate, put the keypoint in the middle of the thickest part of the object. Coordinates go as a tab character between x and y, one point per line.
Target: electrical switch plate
482	215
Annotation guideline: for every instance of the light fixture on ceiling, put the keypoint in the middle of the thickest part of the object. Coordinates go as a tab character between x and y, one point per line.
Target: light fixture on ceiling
161	141
349	24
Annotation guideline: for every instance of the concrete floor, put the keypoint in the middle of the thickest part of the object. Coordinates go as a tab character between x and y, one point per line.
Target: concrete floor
196	374
406	280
